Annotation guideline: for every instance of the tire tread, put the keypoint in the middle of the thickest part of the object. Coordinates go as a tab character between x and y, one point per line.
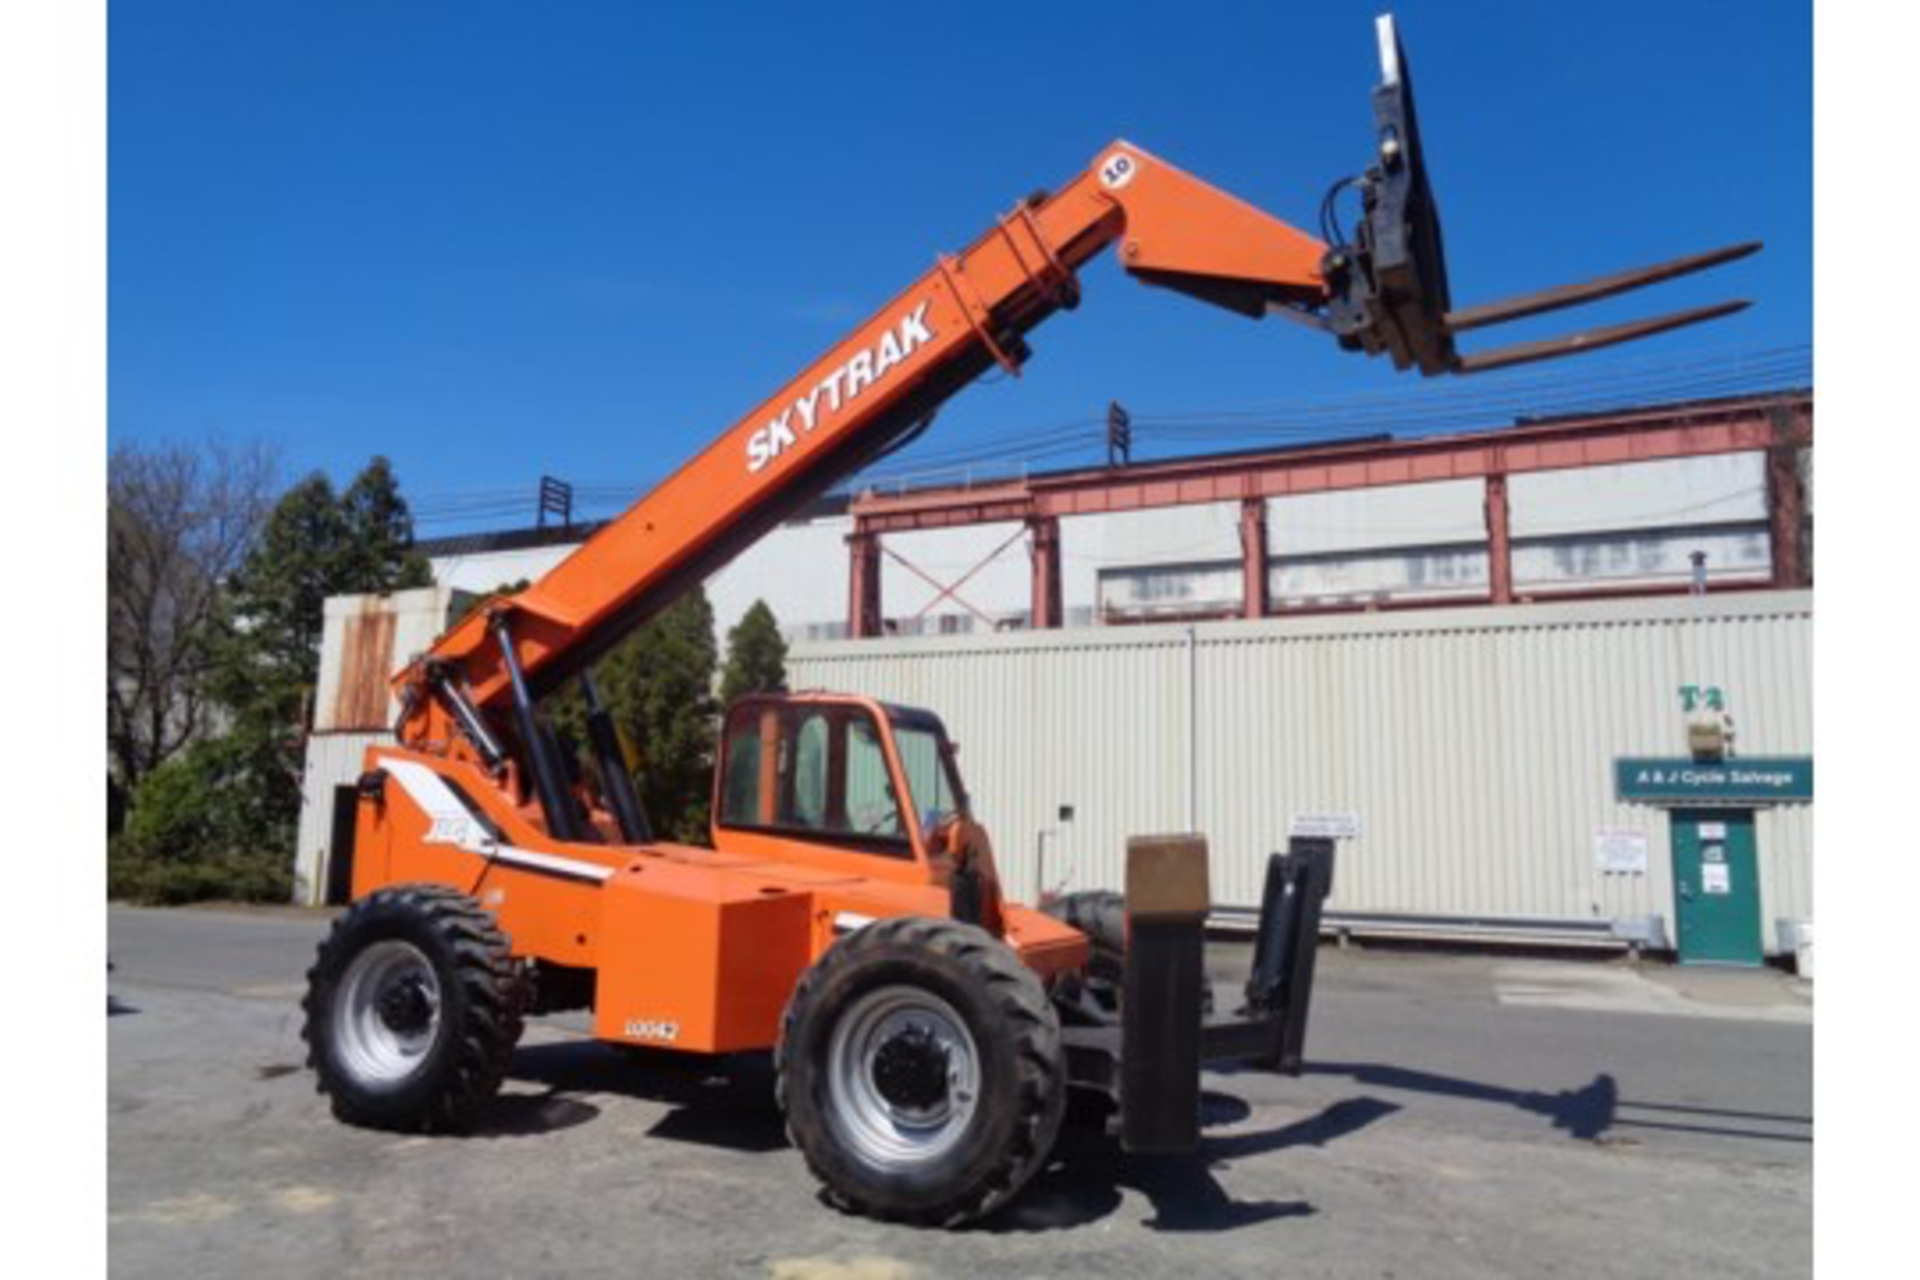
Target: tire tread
492	1010
1014	991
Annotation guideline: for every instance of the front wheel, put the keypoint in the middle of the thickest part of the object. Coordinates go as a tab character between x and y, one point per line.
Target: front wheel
921	1071
413	1008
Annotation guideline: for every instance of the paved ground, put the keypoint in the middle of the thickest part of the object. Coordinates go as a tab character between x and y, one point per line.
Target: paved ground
1461	1117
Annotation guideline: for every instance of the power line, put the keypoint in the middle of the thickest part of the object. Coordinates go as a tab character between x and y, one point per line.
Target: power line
1460	408
1593	386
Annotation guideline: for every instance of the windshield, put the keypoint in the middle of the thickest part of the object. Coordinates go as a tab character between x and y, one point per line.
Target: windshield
931	777
819	770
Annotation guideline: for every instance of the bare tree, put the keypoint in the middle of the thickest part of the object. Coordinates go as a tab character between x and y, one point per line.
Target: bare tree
179	519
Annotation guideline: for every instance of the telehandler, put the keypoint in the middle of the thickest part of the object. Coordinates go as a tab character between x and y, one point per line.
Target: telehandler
925	1030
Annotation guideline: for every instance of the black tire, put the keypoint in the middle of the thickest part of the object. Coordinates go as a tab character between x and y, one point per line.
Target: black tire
964	1111
1093	994
413	1008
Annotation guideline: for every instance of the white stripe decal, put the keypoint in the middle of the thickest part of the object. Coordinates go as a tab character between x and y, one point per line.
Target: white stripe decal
848	921
551	862
452	823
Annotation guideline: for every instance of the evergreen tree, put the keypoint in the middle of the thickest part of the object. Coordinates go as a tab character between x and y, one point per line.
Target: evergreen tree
379	552
756	656
269	651
315	544
221	819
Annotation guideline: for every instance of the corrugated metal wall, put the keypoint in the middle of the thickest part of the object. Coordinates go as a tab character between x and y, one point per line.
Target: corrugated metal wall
363	640
1475	745
333	760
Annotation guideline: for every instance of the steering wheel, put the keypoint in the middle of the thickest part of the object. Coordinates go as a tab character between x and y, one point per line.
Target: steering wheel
887	814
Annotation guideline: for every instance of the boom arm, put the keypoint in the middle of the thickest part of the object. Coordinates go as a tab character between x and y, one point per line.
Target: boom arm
967	314
1384	292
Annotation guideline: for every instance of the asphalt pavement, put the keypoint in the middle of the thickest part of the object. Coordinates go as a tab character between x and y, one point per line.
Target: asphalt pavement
1460	1116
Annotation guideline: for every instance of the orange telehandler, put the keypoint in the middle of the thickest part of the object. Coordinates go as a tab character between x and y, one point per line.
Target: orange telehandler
848	917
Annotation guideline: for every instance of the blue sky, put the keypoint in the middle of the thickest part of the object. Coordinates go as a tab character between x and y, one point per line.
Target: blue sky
493	240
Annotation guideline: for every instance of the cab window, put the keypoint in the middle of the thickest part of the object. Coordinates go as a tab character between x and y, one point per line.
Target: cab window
806	792
740	783
812	771
930	775
871	807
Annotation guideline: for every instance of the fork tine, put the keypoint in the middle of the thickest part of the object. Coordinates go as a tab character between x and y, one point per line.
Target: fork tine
1591	339
1570	295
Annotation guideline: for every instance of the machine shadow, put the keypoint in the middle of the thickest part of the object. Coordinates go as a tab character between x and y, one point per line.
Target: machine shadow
525	1115
720	1102
1586	1113
1591	1113
1084	1180
728	1103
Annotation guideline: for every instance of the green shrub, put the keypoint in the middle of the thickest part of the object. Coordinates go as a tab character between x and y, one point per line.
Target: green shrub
204	825
257	879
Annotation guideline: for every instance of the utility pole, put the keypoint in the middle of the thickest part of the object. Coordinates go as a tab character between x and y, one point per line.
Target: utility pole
1119	436
556	499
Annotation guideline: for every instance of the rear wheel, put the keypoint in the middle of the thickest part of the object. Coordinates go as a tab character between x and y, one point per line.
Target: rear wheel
921	1071
1093	994
413	1007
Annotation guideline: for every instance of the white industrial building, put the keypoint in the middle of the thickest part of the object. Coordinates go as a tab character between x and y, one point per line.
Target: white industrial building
1442	647
1629	526
1470	750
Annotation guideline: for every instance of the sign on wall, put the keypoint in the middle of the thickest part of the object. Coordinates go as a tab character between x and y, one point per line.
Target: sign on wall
1753	780
1620	851
1702	697
1328	826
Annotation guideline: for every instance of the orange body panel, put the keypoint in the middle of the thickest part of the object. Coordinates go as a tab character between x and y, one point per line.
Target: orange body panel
420	831
694	949
699	958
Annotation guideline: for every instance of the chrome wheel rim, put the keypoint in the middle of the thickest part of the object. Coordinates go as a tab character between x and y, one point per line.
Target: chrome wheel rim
387	1015
904	1077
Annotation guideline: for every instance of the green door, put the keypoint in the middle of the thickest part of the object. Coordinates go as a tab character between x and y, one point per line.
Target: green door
1716	886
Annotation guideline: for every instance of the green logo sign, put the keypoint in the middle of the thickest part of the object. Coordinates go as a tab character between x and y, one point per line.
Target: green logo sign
1695	697
1758	780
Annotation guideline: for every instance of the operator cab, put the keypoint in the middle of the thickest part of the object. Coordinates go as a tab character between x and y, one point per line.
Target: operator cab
841	772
